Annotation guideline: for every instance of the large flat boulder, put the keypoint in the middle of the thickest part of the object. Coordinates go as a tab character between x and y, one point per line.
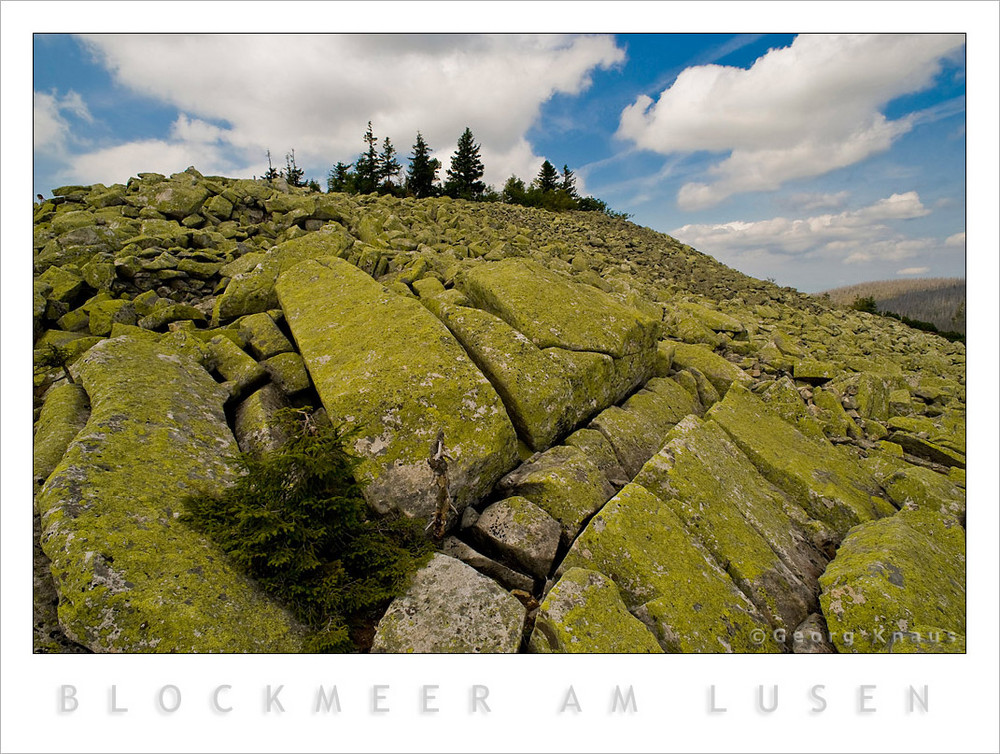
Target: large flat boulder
829	485
555	311
533	386
666	578
739	517
130	576
386	366
897	576
574	319
451	607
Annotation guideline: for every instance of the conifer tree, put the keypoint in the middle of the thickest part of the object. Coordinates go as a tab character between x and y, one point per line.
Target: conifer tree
423	170
367	165
548	177
339	178
271	173
569	182
514	191
466	169
292	173
388	165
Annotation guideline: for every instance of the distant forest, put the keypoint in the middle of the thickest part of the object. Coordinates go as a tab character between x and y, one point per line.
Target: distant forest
939	301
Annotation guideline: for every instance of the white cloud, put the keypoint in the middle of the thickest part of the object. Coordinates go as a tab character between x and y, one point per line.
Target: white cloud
52	130
799	111
116	164
316	93
854	236
808	202
913	271
957	239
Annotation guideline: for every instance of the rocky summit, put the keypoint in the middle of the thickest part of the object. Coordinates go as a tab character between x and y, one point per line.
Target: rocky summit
644	450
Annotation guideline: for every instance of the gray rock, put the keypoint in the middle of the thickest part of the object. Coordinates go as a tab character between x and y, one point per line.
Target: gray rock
451	607
255	427
507	577
521	531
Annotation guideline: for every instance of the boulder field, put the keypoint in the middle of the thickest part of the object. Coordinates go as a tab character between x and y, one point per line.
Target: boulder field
646	450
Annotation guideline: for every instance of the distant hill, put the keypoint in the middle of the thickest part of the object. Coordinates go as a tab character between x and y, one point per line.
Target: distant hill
940	301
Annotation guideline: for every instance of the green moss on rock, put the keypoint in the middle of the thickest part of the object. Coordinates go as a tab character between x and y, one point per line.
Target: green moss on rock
828	485
583	613
892	576
253	291
555	311
534	388
720	372
639	428
131	578
564	483
739	517
64	414
385	365
665	578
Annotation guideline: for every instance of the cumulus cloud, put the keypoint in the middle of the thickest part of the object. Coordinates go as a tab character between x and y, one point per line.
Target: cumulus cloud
52	128
799	111
913	271
854	236
115	164
958	239
316	93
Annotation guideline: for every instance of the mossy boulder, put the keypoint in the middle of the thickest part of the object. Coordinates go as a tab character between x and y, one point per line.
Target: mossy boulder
256	429
739	517
254	290
720	372
919	487
782	398
450	607
601	452
584	613
263	336
666	578
386	366
520	530
814	371
828	485
288	372
130	576
712	319
234	365
564	483
534	388
553	310
640	426
893	576
63	415
177	199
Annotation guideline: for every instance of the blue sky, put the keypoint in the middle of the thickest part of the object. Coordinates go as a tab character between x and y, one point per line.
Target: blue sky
815	160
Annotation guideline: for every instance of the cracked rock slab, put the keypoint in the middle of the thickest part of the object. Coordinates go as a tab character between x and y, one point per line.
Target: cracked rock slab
384	365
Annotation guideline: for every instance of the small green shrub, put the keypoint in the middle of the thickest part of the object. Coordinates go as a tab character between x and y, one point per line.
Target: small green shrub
297	523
